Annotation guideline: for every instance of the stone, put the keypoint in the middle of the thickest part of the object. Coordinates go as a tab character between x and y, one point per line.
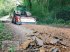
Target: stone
54	49
42	49
38	41
25	44
53	41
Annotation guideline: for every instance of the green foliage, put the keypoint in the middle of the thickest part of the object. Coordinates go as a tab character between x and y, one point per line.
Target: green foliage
64	14
4	34
12	48
51	11
1	27
6	6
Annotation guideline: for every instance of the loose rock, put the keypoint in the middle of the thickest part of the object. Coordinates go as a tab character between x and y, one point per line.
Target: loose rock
26	44
53	40
54	49
42	49
38	41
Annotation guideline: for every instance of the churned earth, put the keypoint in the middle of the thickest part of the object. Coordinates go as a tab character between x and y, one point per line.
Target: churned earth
40	38
53	38
47	33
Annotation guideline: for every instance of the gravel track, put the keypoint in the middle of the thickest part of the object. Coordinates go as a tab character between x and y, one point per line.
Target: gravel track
20	32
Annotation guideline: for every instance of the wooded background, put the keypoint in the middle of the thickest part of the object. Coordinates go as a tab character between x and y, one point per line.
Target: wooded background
46	11
50	11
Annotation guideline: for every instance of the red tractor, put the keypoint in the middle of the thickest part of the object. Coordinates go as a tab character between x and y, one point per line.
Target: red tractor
21	16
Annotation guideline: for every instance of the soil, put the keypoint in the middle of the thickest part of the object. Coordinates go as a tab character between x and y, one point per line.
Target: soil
48	32
45	33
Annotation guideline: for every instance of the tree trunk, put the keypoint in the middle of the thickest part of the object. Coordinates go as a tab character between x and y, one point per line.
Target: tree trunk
30	4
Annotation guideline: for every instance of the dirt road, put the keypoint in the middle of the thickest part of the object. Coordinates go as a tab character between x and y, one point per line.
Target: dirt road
20	32
45	33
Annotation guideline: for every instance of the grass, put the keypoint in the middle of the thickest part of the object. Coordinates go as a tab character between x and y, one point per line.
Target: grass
56	24
60	25
5	34
1	26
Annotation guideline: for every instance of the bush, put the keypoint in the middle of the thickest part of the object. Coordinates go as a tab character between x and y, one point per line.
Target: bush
65	15
60	21
68	22
3	13
49	12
